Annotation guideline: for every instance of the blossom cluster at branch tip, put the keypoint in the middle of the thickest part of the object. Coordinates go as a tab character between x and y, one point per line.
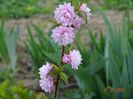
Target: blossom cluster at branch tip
68	19
73	58
63	35
46	81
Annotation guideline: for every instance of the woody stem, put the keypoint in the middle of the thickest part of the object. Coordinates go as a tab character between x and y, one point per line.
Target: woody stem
58	76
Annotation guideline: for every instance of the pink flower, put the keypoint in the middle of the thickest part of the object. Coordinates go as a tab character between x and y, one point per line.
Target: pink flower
73	58
77	22
46	81
46	84
85	9
66	59
63	35
44	70
64	14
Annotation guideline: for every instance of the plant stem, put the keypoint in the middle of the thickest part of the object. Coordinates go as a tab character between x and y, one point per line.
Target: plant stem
63	48
57	83
78	7
58	76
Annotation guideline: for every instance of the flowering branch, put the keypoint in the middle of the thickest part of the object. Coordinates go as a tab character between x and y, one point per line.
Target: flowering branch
63	34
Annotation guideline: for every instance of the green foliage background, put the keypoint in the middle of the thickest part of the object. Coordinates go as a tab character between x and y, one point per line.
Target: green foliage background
107	60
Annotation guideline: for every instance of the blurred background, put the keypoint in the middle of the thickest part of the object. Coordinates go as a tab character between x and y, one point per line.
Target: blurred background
106	45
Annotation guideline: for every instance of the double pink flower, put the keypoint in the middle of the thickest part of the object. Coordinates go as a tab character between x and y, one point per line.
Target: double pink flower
73	58
46	81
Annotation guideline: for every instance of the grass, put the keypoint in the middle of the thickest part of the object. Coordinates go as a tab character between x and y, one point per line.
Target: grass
25	8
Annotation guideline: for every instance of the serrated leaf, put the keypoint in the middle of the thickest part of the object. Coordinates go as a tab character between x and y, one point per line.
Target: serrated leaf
64	77
57	69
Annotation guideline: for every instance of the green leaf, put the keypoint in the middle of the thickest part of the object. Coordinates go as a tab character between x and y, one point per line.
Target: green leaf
11	42
57	69
81	46
124	78
93	40
8	43
94	67
3	87
64	77
52	57
3	46
124	36
34	50
130	62
100	84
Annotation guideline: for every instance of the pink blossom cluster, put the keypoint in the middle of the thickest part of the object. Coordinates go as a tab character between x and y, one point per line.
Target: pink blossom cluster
65	15
69	21
46	81
73	58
